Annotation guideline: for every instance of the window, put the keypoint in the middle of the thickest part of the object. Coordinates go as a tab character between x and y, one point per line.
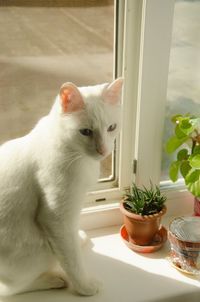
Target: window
143	50
183	81
144	54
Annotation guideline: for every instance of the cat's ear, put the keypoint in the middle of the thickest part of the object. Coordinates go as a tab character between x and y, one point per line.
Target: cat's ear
70	98
112	93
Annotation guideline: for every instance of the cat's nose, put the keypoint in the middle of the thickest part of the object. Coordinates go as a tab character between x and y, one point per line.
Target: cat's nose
101	150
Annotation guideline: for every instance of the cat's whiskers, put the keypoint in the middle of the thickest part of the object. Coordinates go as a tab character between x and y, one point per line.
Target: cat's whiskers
73	159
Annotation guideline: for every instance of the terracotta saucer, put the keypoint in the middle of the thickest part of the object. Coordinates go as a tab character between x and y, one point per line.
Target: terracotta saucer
157	242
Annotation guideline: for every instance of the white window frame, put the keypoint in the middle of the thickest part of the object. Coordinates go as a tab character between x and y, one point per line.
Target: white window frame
143	51
127	14
157	23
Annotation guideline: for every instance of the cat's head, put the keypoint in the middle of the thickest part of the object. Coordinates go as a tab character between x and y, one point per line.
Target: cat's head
91	117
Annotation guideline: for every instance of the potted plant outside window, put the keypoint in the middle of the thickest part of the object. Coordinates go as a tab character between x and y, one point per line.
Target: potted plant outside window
186	141
142	209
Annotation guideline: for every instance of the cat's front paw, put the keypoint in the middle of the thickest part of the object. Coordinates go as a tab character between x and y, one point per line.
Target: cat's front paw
89	287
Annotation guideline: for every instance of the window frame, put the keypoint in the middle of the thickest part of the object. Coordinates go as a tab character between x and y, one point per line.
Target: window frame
137	51
157	21
106	212
126	42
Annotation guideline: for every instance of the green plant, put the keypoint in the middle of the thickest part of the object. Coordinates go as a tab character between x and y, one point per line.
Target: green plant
144	201
186	139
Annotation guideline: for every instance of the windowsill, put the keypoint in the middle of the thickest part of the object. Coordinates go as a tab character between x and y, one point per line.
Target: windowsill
126	276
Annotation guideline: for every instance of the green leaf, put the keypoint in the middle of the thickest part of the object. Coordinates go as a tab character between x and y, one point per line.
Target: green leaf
195	161
179	133
192	176
176	118
186	126
129	204
196	149
173	170
185	168
182	154
192	181
173	143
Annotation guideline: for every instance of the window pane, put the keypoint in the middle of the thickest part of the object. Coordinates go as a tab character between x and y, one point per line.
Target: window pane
44	44
183	95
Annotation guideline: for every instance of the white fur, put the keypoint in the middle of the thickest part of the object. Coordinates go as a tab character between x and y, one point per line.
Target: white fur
43	179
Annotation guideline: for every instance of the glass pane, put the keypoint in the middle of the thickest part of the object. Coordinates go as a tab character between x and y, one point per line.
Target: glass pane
44	44
183	95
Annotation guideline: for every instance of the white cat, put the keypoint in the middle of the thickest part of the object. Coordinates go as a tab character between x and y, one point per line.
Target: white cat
43	179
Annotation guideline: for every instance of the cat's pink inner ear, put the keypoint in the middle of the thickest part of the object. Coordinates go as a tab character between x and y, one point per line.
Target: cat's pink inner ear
112	93
71	99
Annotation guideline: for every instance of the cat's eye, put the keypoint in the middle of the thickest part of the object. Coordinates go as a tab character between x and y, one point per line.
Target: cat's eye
112	127
86	132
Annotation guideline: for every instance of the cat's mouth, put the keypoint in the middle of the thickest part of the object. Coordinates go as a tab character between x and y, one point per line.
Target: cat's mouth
101	156
98	154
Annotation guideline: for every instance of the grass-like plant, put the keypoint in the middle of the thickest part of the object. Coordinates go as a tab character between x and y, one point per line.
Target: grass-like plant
186	139
144	201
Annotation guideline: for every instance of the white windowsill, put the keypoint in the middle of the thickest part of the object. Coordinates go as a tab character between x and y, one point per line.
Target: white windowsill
127	276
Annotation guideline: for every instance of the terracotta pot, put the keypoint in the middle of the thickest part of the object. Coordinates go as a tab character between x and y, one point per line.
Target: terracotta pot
196	206
141	229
